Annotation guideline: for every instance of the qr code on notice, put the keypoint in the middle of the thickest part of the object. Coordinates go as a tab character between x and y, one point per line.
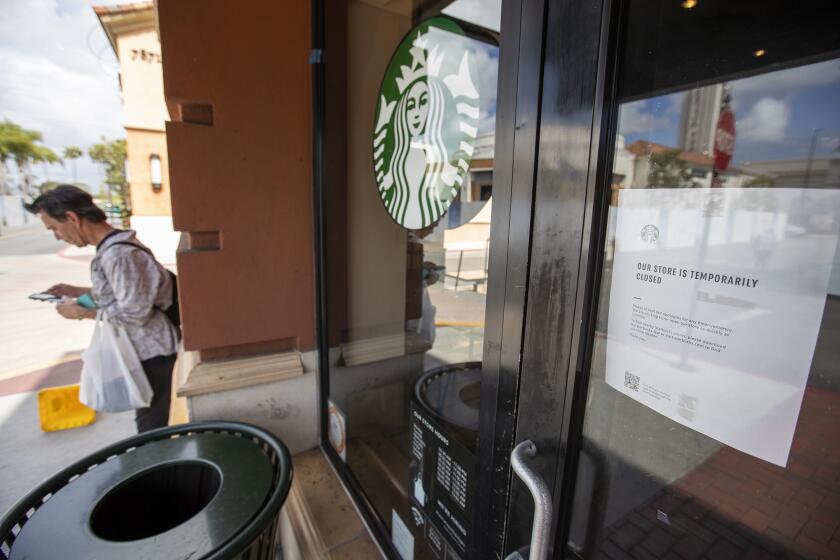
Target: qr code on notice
631	381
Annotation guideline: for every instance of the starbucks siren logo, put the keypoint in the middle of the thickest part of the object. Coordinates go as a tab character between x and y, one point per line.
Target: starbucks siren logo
426	123
650	234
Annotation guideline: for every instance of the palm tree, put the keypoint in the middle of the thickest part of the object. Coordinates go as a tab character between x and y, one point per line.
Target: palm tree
24	147
5	154
111	155
73	153
45	157
25	151
15	144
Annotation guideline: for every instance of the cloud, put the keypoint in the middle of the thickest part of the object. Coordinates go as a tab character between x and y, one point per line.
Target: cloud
828	142
766	121
486	13
484	59
635	118
487	70
786	82
59	76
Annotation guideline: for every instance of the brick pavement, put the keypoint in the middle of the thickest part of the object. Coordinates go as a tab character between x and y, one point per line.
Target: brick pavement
65	373
736	506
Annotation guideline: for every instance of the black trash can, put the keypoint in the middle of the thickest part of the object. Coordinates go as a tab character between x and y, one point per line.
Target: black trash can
451	394
201	491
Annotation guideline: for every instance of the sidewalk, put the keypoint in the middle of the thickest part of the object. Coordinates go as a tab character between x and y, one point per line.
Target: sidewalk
32	335
28	456
16	231
39	348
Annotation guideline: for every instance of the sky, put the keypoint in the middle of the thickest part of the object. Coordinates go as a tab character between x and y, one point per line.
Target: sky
486	13
58	75
777	115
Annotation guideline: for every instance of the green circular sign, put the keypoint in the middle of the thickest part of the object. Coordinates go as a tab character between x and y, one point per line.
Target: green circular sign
425	123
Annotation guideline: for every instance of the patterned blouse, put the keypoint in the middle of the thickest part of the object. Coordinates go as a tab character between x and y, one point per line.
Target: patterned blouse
132	288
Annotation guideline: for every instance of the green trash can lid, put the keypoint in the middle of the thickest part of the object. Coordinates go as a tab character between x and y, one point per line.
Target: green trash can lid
236	472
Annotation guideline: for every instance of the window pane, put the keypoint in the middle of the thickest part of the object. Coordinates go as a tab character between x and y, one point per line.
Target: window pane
711	422
409	230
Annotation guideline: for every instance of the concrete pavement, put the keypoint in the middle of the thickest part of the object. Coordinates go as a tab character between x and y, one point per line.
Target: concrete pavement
39	348
32	335
29	456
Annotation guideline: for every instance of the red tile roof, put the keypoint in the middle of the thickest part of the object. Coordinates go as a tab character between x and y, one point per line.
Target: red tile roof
645	148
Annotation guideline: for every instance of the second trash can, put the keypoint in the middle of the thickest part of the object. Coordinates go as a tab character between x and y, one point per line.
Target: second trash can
202	491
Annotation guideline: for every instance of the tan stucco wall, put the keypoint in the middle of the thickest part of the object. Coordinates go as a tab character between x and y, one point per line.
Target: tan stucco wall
142	80
144	117
373	308
140	144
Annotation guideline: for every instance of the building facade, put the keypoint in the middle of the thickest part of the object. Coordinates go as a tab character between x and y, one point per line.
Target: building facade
241	172
629	353
698	117
132	31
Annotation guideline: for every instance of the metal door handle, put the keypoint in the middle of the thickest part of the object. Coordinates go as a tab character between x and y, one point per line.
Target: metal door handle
542	498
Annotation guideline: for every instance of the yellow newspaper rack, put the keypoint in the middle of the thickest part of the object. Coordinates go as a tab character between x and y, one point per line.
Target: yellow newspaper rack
59	409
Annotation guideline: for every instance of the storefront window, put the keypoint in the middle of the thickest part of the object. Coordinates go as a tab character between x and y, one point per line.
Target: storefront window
712	409
407	262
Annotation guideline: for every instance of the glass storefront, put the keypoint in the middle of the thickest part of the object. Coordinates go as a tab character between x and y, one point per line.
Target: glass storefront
661	314
408	260
712	405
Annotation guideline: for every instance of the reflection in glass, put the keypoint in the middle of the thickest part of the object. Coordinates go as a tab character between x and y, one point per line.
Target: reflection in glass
651	481
406	302
486	13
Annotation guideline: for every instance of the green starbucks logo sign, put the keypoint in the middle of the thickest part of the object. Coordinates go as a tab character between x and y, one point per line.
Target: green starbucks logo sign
425	124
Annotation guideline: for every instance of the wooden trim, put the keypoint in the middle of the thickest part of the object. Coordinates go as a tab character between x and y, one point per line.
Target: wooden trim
161	131
224	375
379	348
178	408
373	349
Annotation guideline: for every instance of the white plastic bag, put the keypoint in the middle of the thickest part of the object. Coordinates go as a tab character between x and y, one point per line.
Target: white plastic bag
113	379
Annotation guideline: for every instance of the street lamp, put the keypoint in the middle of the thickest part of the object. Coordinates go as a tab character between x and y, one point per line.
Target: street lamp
814	137
156	172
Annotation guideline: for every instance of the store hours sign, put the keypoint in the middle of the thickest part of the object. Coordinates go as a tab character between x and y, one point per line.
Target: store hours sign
425	123
442	486
716	301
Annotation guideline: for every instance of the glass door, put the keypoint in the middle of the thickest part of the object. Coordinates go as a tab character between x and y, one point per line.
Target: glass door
416	176
682	385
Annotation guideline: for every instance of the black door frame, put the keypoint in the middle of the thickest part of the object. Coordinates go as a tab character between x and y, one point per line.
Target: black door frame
547	155
572	154
517	134
516	145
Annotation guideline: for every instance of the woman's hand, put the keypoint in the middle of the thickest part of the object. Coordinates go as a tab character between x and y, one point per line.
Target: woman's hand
66	290
71	310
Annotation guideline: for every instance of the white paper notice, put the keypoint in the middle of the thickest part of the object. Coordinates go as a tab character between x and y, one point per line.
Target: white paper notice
716	301
401	537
